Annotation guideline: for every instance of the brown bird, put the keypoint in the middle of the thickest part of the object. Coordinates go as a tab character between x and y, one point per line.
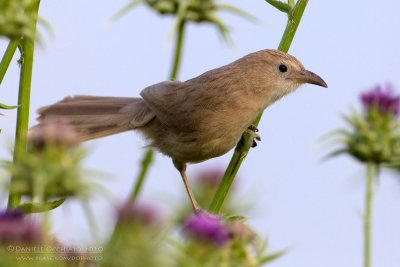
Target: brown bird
190	121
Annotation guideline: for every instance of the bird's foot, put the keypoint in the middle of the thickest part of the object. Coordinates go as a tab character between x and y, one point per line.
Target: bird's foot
252	130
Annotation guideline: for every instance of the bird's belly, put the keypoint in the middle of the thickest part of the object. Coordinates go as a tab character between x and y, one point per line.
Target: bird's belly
213	141
207	138
198	150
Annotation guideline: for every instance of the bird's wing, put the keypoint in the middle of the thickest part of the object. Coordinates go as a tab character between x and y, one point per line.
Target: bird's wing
165	100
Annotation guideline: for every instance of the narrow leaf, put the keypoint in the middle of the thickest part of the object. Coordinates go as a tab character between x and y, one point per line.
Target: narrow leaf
238	12
3	106
280	5
125	9
234	218
7	57
335	153
35	207
272	257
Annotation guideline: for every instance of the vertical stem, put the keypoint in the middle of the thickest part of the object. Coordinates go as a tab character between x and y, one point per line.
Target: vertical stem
239	154
292	25
178	51
7	57
244	145
28	46
371	172
149	155
291	3
145	164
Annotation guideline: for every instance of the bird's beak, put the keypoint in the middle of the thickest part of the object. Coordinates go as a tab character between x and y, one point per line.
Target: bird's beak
310	77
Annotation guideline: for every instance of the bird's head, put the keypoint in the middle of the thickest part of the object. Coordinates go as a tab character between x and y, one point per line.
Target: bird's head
277	73
287	69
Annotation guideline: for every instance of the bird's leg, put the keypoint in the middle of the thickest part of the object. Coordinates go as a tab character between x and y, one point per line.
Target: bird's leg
252	130
181	167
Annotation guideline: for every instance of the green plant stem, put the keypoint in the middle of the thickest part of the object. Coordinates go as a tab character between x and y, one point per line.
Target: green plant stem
246	141
147	159
291	3
293	23
7	57
178	51
371	172
145	164
28	46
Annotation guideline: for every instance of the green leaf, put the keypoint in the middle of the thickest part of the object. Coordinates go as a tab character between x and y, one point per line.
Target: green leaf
238	12
334	134
234	218
3	106
272	257
47	26
335	153
125	9
7	57
280	5
35	207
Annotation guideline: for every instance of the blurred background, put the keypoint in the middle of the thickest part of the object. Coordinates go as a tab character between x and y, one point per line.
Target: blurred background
311	207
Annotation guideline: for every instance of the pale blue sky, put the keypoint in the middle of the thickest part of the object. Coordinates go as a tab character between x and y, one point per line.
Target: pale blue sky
313	208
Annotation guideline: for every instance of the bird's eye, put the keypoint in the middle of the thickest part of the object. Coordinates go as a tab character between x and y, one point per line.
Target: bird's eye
282	68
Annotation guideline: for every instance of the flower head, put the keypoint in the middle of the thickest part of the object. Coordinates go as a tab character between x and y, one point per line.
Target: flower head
191	10
57	133
15	228
52	165
374	135
16	20
207	227
382	99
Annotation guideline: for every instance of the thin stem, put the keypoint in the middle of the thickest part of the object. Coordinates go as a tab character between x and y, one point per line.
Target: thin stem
28	46
149	155
291	3
239	155
371	172
292	25
246	141
7	57
145	164
178	50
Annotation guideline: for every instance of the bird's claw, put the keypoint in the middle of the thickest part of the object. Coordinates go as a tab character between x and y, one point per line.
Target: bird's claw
252	130
254	143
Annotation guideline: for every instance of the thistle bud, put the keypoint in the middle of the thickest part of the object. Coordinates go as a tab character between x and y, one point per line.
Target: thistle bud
57	133
374	135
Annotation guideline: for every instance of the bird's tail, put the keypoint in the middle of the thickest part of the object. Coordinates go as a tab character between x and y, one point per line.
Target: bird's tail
96	116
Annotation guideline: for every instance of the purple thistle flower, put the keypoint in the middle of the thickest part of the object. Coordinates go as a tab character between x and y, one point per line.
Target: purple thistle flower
383	99
207	227
15	228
